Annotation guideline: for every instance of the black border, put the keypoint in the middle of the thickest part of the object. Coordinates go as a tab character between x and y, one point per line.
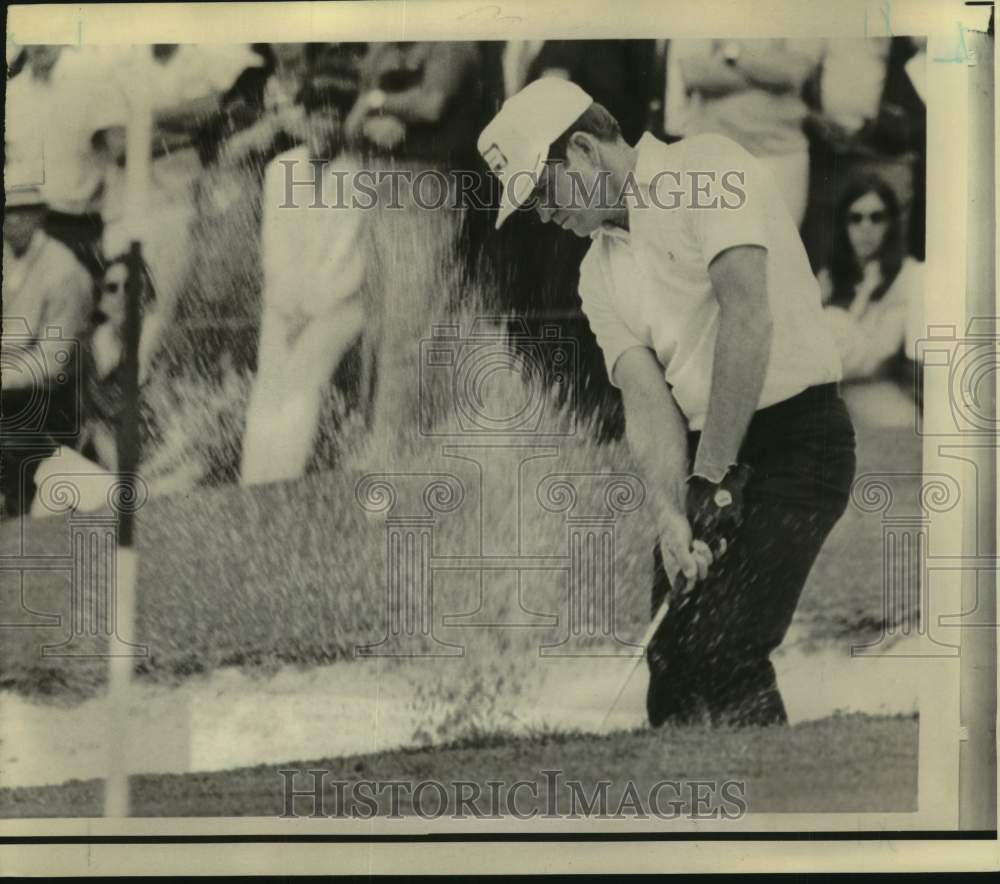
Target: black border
508	837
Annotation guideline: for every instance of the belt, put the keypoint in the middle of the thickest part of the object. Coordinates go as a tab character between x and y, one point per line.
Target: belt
819	394
809	399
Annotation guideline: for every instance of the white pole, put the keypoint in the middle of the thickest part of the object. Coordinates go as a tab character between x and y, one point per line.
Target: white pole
138	150
116	786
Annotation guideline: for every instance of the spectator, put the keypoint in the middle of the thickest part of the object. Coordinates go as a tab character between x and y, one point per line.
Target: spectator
517	58
751	91
851	80
186	85
868	119
29	78
281	125
241	100
312	308
419	102
47	302
871	289
627	76
418	111
667	98
61	106
104	361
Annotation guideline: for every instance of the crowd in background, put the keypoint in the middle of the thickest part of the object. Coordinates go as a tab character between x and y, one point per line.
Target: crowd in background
840	122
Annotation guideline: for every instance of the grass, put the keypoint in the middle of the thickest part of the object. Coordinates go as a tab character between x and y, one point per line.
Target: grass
839	765
294	573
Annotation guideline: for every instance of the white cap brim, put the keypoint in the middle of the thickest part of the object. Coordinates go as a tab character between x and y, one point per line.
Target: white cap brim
522	185
516	142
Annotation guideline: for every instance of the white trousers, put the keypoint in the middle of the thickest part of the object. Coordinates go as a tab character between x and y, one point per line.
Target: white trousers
296	359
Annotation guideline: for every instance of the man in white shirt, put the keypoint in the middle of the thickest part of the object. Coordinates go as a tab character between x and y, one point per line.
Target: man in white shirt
313	313
751	91
60	110
701	297
47	304
184	86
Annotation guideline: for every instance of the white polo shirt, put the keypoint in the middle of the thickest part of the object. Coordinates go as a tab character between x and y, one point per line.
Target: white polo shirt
649	286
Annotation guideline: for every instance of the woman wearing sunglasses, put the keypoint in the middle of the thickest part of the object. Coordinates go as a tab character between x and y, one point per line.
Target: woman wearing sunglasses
104	358
872	290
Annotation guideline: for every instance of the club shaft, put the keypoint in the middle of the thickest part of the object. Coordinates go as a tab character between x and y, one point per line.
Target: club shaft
647	637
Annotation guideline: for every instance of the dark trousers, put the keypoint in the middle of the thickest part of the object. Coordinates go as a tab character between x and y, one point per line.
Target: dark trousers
33	425
710	658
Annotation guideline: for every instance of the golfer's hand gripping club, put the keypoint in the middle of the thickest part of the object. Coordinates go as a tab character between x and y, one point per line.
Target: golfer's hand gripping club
682	555
715	510
689	543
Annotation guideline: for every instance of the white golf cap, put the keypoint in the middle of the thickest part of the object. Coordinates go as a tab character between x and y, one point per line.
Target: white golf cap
516	142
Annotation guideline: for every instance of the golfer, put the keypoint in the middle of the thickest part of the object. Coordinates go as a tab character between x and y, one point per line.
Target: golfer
699	292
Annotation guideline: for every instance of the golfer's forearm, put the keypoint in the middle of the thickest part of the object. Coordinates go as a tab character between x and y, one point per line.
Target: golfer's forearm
657	436
741	356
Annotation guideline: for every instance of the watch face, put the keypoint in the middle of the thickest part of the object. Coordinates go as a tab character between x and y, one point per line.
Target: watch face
723	498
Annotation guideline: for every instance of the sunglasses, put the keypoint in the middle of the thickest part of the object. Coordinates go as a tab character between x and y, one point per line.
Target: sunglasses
877	217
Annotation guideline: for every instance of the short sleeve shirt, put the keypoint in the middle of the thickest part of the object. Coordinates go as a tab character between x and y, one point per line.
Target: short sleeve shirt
649	286
46	293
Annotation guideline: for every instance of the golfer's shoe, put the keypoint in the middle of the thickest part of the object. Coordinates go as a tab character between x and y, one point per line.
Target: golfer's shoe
671	698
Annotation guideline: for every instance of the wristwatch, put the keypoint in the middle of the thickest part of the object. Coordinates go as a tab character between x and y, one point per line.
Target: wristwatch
715	509
731	52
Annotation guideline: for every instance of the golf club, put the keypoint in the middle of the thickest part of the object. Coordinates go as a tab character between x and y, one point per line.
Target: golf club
647	637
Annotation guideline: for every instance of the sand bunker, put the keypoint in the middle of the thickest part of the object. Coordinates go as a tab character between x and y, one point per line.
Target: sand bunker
230	720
